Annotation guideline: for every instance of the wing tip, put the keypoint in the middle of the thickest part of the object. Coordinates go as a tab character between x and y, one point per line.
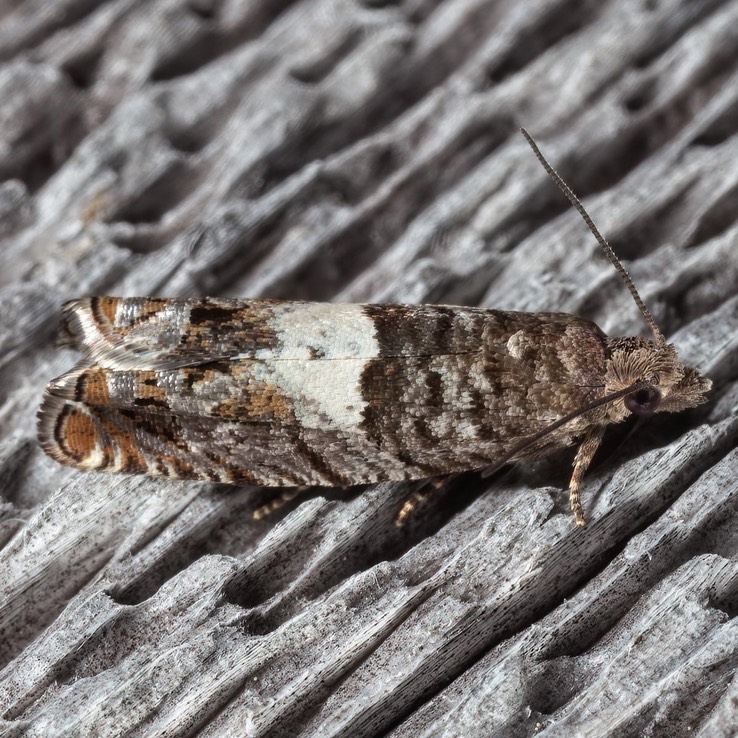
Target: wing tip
49	419
68	433
80	328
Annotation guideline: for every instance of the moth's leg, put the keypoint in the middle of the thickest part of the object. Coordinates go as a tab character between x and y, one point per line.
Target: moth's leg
415	500
418	498
285	495
585	454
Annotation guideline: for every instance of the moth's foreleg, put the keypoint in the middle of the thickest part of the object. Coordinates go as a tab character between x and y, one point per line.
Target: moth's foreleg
585	454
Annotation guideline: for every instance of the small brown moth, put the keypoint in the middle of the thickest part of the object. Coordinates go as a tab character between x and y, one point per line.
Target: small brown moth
300	393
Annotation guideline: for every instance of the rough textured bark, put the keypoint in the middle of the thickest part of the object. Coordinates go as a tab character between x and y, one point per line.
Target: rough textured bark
368	151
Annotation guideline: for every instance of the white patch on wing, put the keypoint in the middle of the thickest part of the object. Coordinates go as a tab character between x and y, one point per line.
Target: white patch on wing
95	459
322	351
515	344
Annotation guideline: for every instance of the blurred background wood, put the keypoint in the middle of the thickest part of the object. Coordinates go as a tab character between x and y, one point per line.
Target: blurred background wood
368	151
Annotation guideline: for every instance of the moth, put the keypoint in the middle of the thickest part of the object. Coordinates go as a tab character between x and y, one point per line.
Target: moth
287	393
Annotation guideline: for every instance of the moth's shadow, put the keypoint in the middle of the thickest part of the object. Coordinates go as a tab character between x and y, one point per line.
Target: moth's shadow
637	436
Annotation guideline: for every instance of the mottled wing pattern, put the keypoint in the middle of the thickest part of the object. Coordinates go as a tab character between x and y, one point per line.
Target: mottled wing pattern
439	408
283	393
160	333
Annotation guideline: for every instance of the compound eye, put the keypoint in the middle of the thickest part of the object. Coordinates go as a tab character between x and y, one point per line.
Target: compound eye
643	401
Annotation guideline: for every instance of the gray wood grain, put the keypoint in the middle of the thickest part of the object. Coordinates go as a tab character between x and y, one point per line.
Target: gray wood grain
368	151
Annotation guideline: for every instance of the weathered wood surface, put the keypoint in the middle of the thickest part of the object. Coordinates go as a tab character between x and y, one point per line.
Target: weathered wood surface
368	151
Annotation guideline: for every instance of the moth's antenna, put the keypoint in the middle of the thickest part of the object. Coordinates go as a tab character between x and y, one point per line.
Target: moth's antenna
574	200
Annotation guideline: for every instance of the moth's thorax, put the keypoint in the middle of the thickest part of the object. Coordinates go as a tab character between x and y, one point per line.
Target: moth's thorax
634	359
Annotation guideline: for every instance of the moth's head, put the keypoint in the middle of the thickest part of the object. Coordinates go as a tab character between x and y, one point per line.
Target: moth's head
670	386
